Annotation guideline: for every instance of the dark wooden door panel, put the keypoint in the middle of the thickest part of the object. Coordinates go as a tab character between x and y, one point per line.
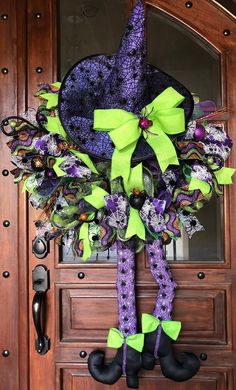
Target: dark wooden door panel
13	264
82	310
77	378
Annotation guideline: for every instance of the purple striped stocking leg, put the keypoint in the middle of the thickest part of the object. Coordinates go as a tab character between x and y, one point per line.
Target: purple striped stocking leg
161	273
126	292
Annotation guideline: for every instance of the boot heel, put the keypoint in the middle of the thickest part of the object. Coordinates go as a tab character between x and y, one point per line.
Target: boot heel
148	361
133	366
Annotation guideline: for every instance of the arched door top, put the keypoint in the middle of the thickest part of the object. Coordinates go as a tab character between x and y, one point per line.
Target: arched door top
218	28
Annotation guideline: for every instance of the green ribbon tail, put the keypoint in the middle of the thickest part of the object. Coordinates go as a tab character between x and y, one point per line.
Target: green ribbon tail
84	236
135	225
164	149
52	99
86	160
224	175
149	323
115	338
96	198
121	162
54	126
56	167
196	184
57	84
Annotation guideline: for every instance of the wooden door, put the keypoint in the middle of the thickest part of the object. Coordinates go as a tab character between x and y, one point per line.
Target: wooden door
81	300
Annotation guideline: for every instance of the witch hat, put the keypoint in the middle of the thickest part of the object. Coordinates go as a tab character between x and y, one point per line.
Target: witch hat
123	80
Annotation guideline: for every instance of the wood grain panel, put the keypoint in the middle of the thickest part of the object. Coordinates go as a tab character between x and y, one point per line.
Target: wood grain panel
77	378
202	313
78	323
41	45
13	260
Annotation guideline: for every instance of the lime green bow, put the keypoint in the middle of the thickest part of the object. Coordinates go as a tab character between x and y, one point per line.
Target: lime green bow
124	130
223	177
116	340
151	323
96	199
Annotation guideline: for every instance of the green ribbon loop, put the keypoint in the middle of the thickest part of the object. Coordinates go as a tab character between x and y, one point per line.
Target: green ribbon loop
116	340
196	184
151	323
135	179
84	236
96	198
124	130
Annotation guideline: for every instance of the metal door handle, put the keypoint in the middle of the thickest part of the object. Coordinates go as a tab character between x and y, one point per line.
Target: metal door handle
40	285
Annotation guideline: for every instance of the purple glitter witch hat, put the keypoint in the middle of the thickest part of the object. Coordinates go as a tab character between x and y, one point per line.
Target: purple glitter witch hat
122	81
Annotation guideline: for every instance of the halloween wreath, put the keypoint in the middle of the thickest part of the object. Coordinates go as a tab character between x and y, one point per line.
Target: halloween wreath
116	156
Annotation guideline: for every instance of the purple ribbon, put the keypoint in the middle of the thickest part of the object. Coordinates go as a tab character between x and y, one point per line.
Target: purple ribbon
151	213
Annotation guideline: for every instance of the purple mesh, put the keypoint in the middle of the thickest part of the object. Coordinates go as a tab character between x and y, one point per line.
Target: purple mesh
126	289
161	273
121	81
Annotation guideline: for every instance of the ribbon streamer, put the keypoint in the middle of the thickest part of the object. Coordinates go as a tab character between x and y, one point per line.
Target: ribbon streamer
82	156
135	225
54	126
84	236
135	179
223	177
96	199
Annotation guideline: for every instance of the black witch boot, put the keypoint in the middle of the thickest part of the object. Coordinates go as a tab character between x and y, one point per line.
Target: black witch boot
133	366
105	373
130	365
158	344
171	367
